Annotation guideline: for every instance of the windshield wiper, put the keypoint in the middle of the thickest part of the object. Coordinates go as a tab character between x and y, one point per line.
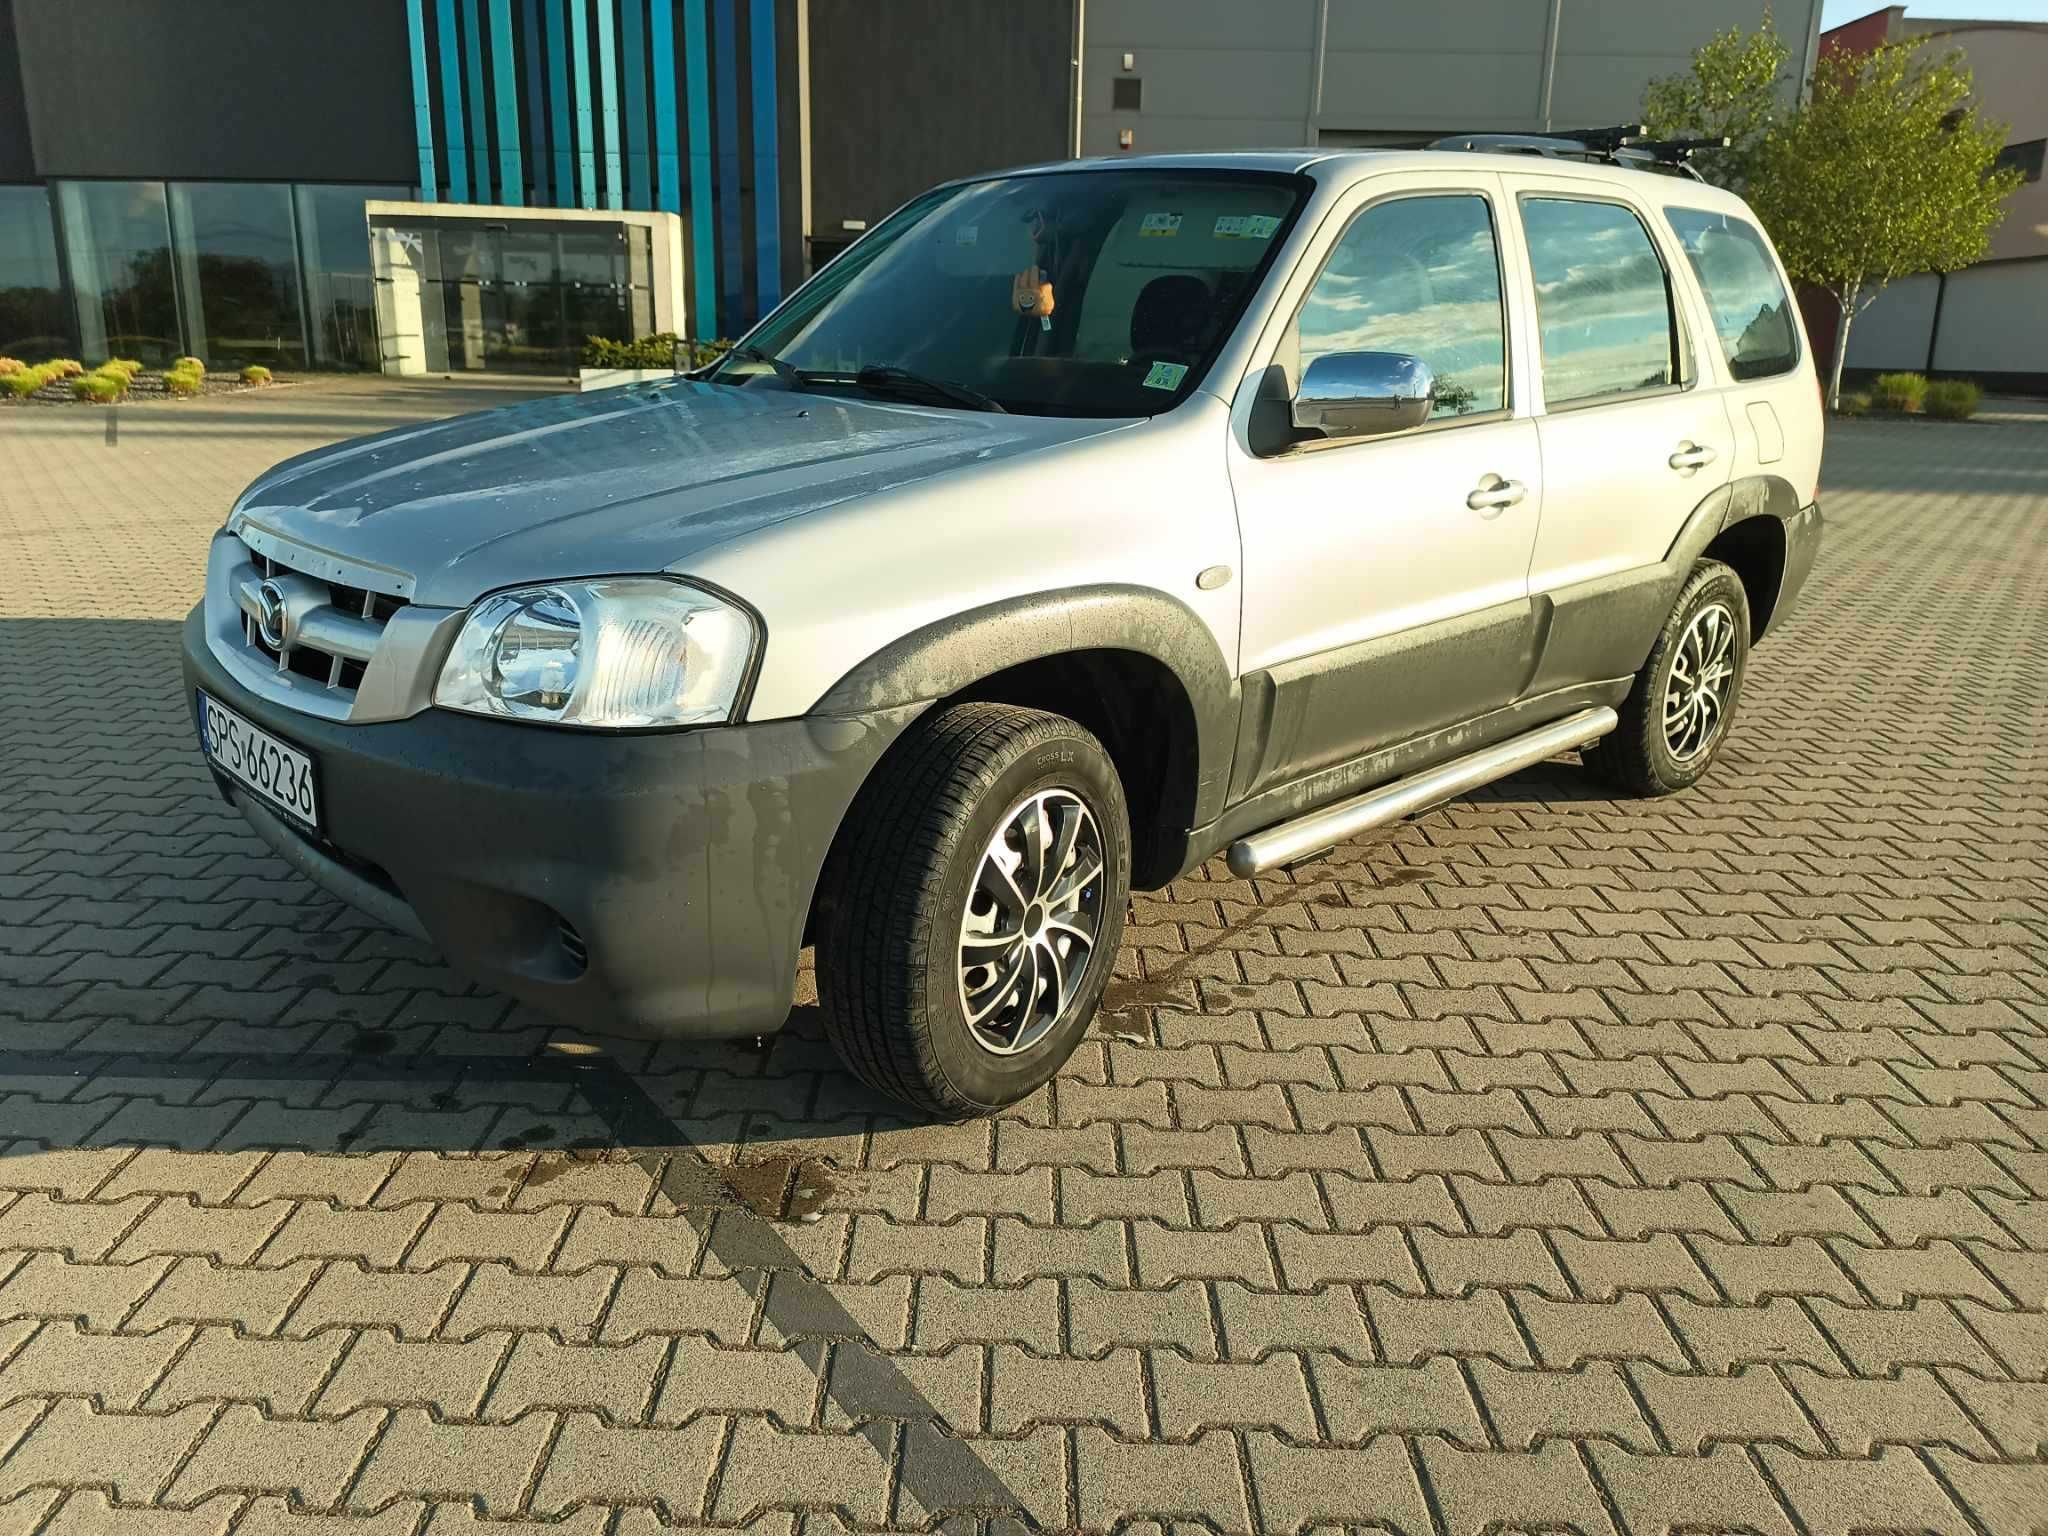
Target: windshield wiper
887	378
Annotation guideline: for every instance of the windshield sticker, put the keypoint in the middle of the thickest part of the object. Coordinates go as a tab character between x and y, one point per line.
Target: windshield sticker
1246	226
967	234
1160	225
1166	375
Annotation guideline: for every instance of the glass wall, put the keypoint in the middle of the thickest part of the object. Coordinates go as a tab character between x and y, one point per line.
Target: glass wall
238	273
232	272
118	239
334	243
520	298
35	317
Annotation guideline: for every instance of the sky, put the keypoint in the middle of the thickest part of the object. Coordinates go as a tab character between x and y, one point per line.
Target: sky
1834	12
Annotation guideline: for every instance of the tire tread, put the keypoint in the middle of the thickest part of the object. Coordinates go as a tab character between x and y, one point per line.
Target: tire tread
881	894
1627	756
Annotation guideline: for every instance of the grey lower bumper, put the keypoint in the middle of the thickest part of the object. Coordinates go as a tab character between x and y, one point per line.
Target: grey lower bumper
649	884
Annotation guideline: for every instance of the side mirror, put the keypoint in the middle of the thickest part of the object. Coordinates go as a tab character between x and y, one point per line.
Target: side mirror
1359	394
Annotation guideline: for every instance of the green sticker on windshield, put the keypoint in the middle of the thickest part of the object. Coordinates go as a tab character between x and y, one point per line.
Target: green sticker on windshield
1166	375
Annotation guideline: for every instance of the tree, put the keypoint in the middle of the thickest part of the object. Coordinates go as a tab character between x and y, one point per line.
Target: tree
1739	86
1885	172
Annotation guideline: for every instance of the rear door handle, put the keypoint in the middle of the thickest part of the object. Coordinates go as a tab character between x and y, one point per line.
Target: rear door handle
1495	494
1691	456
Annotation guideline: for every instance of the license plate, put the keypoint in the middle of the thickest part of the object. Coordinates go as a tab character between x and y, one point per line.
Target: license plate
272	768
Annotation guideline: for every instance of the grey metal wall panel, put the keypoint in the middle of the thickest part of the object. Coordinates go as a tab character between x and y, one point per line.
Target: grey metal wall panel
1486	26
1994	319
1894	331
16	163
1173	135
1142	24
919	91
1432	91
1222	74
1262	81
314	90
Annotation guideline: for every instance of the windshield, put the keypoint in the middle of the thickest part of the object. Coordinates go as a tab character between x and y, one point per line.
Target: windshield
1073	293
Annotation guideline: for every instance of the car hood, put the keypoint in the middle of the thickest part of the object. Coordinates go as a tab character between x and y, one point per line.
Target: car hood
621	480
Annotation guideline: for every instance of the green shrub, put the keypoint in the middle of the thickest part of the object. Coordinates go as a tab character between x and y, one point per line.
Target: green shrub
126	367
1854	405
102	388
12	365
21	385
656	351
255	373
183	381
1898	391
188	365
64	367
1953	399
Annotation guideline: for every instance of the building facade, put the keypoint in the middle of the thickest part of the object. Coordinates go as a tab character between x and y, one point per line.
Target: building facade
194	177
1988	321
1166	75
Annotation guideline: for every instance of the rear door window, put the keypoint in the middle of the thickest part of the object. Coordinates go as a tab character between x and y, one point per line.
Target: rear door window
1752	313
1605	325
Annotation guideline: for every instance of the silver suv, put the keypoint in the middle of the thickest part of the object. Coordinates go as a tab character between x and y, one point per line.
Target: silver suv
1076	525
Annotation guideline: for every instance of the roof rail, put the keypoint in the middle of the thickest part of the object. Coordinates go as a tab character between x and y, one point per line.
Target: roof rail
1627	144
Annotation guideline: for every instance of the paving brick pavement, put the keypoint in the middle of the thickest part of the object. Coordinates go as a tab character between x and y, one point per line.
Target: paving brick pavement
1554	1162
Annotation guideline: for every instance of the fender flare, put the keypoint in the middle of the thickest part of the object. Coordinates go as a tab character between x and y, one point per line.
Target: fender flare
1736	502
945	657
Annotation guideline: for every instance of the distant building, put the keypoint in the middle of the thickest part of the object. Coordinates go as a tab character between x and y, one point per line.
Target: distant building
1989	321
451	184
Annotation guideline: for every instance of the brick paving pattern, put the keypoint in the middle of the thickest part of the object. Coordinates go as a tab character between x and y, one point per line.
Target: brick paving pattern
1554	1163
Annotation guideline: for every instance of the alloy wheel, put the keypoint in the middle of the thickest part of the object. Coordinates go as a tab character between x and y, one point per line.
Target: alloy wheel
1696	693
1034	910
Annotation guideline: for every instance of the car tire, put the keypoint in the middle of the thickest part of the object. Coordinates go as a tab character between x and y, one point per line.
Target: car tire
1678	712
933	988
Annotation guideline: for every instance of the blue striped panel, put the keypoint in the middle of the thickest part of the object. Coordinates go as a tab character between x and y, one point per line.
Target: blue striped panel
725	38
696	61
505	88
661	43
479	121
608	101
767	162
451	102
558	97
579	67
422	101
633	55
536	98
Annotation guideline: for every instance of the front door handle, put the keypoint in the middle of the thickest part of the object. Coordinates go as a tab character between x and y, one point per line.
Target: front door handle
1691	456
1495	494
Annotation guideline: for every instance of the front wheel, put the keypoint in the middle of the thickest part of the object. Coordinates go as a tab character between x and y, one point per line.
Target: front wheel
1677	714
971	910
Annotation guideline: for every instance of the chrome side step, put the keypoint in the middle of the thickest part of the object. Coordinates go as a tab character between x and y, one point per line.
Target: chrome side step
1293	841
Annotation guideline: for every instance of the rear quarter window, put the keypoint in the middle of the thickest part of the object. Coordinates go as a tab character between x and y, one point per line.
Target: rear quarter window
1752	313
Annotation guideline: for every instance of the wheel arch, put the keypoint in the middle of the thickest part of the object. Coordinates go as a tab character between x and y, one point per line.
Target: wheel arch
1135	666
1743	525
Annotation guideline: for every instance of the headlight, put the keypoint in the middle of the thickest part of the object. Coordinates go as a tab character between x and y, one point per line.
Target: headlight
625	651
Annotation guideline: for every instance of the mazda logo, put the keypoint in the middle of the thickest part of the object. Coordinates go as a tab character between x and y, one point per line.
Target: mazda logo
273	616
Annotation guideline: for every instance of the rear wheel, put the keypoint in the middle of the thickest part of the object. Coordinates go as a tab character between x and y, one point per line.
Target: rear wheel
971	911
1677	714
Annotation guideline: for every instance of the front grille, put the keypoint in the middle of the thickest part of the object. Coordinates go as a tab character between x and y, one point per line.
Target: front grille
333	628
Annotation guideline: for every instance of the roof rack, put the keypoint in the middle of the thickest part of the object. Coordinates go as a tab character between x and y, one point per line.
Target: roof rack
1627	144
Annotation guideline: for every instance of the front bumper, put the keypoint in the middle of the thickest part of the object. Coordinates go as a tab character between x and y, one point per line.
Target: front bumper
682	863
